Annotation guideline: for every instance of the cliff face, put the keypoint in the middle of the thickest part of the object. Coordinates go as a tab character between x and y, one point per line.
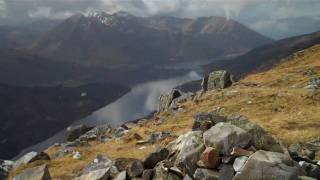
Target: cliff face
236	132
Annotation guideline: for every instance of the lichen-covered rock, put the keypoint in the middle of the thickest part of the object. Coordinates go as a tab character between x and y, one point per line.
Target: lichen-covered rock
314	83
189	147
301	150
30	157
269	165
216	80
100	174
157	136
312	170
204	121
100	162
239	163
36	173
151	161
223	137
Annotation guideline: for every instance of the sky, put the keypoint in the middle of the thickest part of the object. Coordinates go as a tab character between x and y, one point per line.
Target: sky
265	16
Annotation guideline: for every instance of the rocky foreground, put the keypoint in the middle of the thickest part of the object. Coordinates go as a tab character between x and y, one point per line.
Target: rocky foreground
218	146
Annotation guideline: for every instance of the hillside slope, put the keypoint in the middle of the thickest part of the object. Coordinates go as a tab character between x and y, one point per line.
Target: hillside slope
276	99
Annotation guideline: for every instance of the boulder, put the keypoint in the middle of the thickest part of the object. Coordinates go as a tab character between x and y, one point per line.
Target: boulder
151	161
189	147
208	174
5	167
269	165
216	80
165	100
76	131
260	138
223	137
30	157
210	158
239	163
36	173
163	173
147	174
121	176
100	174
187	177
312	170
236	151
135	168
181	99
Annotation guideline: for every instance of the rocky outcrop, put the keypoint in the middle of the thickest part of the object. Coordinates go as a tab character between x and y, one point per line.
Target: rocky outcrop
5	167
36	173
75	132
216	80
171	100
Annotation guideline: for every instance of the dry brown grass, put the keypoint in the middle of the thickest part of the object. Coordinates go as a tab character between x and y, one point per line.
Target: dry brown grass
279	104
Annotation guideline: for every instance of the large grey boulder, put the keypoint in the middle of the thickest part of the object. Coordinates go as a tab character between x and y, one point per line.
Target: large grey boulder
30	157
260	138
189	147
269	165
224	136
216	80
36	173
165	100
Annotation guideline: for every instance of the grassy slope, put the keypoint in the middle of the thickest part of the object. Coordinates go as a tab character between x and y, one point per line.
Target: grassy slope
274	99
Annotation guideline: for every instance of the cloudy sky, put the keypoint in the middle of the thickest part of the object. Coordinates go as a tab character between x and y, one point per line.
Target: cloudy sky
265	16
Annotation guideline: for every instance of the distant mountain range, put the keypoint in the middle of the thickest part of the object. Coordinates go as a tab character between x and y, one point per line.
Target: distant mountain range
123	40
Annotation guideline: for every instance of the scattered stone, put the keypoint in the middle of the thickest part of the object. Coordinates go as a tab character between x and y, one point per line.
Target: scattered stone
75	132
100	162
76	155
100	174
119	132
61	152
216	80
201	174
36	173
30	157
314	83
147	174
121	176
151	161
163	173
136	136
312	170
269	165
223	137
236	151
135	169
239	163
226	172
210	158
190	146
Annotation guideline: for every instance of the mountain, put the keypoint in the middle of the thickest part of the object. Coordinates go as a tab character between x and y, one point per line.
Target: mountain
264	57
32	114
126	41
